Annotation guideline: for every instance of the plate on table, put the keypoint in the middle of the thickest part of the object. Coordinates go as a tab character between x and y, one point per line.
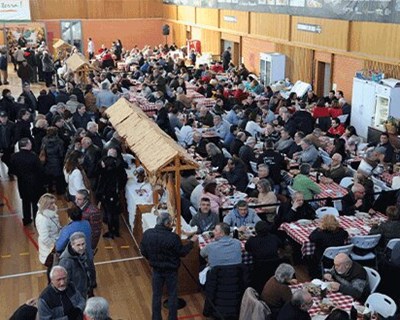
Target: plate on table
362	215
304	222
354	231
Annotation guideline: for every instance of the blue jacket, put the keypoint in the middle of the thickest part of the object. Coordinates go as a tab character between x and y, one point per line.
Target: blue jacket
234	219
69	229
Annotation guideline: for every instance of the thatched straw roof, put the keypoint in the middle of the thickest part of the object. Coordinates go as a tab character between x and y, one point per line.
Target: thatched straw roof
61	43
77	61
154	148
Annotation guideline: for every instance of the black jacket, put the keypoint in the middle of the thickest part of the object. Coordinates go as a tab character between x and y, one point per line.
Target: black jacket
45	102
237	177
304	121
324	239
235	147
91	161
275	162
22	130
348	202
54	148
287	214
27	167
289	311
7	132
163	248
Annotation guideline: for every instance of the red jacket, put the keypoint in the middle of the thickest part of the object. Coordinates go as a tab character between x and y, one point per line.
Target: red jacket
338	131
335	112
320	112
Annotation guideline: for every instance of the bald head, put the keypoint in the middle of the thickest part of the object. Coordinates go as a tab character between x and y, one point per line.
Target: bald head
342	263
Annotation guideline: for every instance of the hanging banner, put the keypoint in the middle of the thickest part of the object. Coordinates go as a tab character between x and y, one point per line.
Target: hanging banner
15	10
33	33
353	10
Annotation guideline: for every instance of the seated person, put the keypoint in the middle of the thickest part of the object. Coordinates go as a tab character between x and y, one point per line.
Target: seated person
297	307
235	173
336	129
388	229
224	250
355	200
309	153
211	192
204	219
348	277
216	156
304	184
241	216
335	171
295	210
276	291
266	196
328	234
265	245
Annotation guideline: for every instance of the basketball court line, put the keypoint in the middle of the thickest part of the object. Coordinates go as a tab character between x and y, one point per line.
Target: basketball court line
23	274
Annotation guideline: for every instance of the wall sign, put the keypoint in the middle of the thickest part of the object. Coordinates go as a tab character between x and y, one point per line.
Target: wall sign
309	27
358	10
15	10
232	19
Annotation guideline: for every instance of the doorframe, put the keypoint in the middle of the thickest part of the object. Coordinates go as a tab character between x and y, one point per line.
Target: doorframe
70	21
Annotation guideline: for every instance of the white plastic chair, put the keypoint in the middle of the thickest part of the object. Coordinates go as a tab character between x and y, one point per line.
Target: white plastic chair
346	181
193	211
368	242
382	304
332	252
291	191
343	118
250	185
320	212
253	166
392	243
338	205
377	189
374	279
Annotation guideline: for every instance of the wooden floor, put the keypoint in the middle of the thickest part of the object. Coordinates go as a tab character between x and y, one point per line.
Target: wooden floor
122	274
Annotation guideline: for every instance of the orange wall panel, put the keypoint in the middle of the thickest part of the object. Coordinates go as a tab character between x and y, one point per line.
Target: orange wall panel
323	56
270	25
187	14
251	49
170	11
208	17
344	69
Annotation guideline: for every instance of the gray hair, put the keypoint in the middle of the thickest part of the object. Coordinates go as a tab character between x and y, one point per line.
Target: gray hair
298	297
90	124
97	308
284	273
163	218
84	193
55	269
214	150
250	140
77	235
357	187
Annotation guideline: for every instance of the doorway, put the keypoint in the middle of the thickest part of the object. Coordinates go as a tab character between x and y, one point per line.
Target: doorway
235	50
323	79
71	32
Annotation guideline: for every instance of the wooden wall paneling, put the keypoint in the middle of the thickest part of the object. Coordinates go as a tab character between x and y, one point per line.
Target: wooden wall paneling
170	11
334	33
299	62
376	39
242	20
270	25
390	70
208	17
187	14
196	33
211	41
230	37
178	33
52	9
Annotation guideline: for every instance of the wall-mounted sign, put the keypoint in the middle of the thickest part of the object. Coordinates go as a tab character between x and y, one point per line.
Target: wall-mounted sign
309	27
15	10
231	19
360	10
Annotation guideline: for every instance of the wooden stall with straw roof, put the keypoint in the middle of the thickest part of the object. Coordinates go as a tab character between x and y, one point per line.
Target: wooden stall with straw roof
61	49
163	159
80	66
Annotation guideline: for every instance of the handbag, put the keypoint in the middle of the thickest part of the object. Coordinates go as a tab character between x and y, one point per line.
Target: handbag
52	259
43	155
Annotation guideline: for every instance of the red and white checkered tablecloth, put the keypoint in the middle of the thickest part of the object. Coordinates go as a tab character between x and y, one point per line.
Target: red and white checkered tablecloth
148	107
246	257
340	301
300	233
332	190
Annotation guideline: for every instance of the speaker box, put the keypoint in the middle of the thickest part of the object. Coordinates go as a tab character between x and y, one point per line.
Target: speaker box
165	30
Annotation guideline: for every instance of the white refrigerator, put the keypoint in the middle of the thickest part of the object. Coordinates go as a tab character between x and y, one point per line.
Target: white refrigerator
387	102
363	106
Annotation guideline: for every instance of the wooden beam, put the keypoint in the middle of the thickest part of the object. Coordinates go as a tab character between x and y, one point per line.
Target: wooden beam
178	195
180	167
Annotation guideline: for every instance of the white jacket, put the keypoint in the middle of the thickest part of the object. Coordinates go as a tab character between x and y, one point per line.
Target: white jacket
75	181
48	227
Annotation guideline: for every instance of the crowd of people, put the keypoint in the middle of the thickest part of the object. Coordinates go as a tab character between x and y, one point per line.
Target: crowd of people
61	142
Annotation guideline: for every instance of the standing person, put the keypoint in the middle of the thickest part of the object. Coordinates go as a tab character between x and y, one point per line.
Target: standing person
90	48
48	68
24	72
27	167
226	58
112	181
163	249
60	299
3	68
48	227
77	263
7	129
73	173
90	213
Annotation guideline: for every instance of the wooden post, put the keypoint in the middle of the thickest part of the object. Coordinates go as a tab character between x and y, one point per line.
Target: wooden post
178	195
